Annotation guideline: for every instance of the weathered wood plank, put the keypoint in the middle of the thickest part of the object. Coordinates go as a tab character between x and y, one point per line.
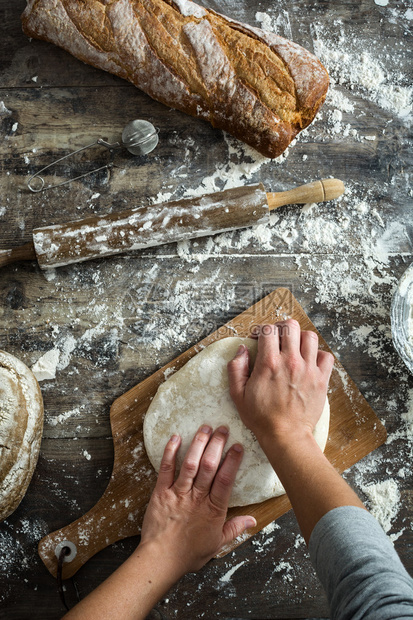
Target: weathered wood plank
116	321
178	166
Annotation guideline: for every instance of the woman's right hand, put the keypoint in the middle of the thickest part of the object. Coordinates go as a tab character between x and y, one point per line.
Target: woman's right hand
285	394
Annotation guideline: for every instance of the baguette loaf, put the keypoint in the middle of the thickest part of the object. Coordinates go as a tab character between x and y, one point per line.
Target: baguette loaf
253	84
21	425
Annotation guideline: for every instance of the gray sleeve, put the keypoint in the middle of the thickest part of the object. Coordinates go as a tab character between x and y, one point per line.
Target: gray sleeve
359	568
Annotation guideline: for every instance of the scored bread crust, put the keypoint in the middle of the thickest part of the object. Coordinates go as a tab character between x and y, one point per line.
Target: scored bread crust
21	427
255	85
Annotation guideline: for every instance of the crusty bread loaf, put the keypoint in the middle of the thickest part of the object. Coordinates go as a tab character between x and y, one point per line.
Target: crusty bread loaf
256	85
21	426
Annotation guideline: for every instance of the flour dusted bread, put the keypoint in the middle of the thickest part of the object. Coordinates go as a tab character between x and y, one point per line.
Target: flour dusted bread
254	84
198	394
21	425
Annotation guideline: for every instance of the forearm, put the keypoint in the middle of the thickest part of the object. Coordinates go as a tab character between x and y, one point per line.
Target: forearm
184	526
312	484
359	568
131	591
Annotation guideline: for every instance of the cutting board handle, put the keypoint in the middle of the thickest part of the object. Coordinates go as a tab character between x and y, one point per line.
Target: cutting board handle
23	252
318	191
85	537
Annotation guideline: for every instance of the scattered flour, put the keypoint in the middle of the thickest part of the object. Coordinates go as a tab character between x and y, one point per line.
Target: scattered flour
57	358
270	528
280	24
360	224
3	110
163	197
18	543
361	70
284	566
66	347
50	274
61	418
227	577
384	501
408	415
45	367
242	163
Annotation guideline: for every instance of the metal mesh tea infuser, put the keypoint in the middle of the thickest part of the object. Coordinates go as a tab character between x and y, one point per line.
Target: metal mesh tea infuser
139	137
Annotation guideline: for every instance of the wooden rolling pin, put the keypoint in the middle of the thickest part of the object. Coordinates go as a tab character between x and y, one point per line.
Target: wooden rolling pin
167	222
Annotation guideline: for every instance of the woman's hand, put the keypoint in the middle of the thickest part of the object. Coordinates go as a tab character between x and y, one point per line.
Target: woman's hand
286	392
184	526
185	518
281	403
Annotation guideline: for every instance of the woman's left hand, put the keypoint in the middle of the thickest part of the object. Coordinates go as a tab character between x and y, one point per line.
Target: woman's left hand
185	518
184	527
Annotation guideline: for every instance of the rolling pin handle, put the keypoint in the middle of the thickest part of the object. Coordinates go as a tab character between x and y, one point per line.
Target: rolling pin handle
318	191
333	188
23	252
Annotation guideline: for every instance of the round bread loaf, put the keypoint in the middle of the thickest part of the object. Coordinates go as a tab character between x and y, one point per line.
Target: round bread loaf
21	426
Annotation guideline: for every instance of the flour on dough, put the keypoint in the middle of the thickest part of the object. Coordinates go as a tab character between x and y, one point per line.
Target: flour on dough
198	394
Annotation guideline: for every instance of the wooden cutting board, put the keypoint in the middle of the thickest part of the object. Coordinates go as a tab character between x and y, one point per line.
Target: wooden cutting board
354	432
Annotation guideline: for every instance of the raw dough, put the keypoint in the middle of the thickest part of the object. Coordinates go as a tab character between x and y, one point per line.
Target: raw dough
197	394
21	425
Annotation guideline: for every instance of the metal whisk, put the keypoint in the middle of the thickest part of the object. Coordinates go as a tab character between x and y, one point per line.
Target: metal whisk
139	137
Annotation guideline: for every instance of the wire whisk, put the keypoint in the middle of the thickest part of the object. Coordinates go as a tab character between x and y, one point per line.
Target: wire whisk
139	137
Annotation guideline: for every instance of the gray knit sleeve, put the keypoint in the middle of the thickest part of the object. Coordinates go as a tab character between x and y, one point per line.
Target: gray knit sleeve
359	568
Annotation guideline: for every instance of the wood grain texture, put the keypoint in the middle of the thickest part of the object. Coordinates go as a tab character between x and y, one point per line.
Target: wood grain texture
167	222
354	432
116	321
15	255
256	85
143	227
317	191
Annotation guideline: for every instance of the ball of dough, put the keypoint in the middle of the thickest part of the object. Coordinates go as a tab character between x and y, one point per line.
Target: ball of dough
21	426
198	394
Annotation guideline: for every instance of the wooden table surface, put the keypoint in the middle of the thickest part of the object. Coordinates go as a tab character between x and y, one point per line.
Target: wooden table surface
115	321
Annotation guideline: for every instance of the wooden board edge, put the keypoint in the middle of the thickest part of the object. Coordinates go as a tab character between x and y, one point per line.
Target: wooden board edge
275	299
224	331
